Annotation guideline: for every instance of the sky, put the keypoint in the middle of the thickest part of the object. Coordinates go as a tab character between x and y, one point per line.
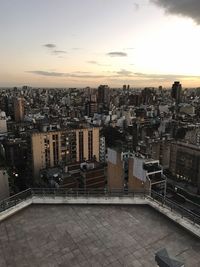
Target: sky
75	43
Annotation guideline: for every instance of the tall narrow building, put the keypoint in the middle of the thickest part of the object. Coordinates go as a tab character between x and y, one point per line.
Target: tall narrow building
103	94
19	109
3	123
176	92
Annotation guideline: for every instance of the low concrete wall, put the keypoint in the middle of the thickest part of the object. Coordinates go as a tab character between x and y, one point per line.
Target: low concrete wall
11	211
90	200
176	217
172	215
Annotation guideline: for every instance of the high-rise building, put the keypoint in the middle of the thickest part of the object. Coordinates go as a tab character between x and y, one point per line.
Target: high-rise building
56	148
176	92
16	151
3	123
103	94
115	170
90	108
19	109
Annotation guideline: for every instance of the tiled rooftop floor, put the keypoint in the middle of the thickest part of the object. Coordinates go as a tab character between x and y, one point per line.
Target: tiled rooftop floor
92	236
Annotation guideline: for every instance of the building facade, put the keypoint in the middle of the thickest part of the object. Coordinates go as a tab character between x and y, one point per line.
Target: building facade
185	162
115	170
176	92
19	109
59	148
3	123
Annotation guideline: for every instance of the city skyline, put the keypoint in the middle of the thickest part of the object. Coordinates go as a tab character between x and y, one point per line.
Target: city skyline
75	43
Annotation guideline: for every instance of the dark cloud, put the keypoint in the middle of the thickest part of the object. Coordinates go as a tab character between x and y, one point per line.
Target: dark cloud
46	73
117	54
113	75
53	51
124	73
187	8
97	63
58	52
136	6
154	76
164	77
68	75
50	46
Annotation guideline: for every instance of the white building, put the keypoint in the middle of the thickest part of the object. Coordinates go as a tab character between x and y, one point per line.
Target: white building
3	123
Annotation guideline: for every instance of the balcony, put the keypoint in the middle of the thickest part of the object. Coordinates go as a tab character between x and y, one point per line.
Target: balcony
152	168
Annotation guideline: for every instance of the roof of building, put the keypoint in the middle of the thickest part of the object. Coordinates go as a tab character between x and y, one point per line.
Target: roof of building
92	235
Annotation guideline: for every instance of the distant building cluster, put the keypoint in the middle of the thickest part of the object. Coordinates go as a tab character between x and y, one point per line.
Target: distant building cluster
100	137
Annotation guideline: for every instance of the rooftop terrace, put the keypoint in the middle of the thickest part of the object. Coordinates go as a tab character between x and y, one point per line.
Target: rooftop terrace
94	235
74	235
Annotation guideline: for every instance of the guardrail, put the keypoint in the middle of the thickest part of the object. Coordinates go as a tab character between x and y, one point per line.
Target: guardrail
15	199
185	213
74	193
43	192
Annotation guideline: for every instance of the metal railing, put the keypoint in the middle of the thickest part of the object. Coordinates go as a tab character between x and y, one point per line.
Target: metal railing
14	200
53	192
75	193
173	206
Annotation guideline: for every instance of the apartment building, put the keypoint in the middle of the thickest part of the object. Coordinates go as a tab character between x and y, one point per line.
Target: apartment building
185	162
51	149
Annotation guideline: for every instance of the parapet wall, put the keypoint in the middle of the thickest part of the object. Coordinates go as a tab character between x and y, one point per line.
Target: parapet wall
105	200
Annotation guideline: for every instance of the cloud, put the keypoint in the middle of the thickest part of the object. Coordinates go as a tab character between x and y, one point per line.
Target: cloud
97	63
186	8
58	52
117	54
51	46
77	74
124	72
53	51
165	77
129	48
153	76
130	76
46	73
136	6
93	62
76	48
